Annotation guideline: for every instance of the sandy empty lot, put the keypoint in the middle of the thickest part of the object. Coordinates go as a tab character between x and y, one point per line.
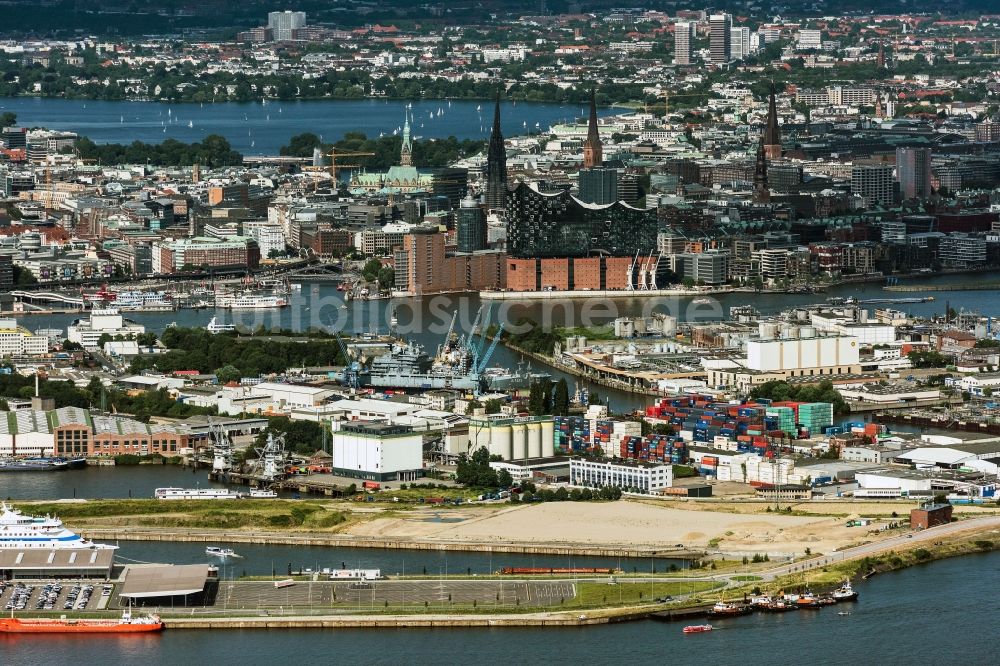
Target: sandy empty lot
620	524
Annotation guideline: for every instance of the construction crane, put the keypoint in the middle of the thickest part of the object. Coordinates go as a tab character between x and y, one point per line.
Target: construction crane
334	154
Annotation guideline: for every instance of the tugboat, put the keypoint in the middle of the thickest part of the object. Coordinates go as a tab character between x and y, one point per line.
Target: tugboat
697	628
723	609
845	593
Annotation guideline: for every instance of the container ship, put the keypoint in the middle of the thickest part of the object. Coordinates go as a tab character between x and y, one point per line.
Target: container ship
21	531
127	624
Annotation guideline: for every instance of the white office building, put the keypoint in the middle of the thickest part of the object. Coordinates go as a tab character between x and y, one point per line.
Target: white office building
810	39
739	43
87	332
18	341
637	477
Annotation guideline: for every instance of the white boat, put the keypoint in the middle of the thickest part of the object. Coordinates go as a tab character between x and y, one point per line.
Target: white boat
702	301
214	327
196	494
21	531
247	301
261	493
216	551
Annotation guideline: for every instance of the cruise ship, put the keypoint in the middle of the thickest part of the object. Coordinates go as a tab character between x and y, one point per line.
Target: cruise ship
20	531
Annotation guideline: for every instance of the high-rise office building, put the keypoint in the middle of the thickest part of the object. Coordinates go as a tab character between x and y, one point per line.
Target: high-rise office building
683	42
739	43
496	165
284	24
6	272
471	226
720	26
873	182
913	171
598	185
593	151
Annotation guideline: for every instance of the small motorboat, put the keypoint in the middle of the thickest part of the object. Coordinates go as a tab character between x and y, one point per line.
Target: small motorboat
697	628
216	551
843	613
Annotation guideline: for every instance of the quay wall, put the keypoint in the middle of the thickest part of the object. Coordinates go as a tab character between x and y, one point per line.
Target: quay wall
264	538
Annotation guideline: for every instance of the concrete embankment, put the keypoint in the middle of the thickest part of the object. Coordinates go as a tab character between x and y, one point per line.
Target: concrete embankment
333	540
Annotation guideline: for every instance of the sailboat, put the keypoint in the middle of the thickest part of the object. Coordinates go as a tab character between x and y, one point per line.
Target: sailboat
122	119
479	107
190	123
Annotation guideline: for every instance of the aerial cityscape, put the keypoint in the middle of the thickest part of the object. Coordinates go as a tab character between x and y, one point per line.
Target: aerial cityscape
544	330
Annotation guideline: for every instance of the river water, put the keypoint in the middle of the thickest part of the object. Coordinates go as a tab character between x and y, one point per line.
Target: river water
426	319
900	619
257	560
253	128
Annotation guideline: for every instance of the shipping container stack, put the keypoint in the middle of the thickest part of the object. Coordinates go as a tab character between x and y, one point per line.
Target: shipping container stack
603	434
786	418
572	435
814	417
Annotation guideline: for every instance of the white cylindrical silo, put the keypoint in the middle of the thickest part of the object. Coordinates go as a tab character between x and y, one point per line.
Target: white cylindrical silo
500	438
519	439
548	439
534	440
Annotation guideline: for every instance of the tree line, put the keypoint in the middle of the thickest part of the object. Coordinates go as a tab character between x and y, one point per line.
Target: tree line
213	151
230	359
427	153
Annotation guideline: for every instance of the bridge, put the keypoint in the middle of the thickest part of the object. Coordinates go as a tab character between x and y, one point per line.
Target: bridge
317	273
47	297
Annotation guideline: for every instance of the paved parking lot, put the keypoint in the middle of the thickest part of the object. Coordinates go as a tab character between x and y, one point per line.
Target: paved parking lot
396	593
26	596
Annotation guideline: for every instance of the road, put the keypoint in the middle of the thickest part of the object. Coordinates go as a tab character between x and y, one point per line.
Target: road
904	540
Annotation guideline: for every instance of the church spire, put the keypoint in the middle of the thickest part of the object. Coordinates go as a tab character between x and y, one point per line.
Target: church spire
772	133
406	152
496	165
593	151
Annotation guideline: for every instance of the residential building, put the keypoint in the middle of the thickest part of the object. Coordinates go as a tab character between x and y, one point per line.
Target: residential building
284	24
683	42
874	183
